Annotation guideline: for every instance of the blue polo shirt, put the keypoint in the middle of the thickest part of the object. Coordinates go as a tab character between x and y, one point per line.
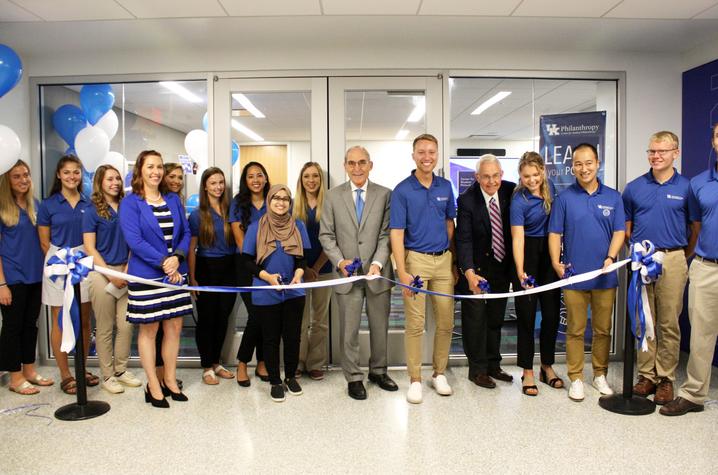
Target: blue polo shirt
65	222
527	210
220	248
423	212
658	211
703	207
109	240
587	222
235	214
313	253
20	251
278	262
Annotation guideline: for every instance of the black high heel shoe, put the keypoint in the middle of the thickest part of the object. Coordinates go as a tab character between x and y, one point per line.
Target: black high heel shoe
155	402
180	396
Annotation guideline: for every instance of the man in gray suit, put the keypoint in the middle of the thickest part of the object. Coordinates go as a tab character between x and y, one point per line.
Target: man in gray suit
355	223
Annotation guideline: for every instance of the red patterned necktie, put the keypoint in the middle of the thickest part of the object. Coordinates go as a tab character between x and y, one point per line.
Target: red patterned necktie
497	231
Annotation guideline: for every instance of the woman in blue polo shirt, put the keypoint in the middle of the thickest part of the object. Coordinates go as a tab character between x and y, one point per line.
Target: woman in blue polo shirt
157	233
308	209
59	225
105	243
247	207
530	209
211	262
20	280
274	247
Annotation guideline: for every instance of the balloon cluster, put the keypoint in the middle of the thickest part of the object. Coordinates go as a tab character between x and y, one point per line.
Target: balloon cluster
10	74
196	143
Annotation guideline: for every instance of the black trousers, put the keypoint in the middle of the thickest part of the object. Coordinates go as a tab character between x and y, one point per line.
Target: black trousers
537	263
213	308
281	322
252	335
18	338
481	320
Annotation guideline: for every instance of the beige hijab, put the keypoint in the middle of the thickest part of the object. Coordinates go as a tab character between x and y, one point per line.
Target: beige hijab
277	227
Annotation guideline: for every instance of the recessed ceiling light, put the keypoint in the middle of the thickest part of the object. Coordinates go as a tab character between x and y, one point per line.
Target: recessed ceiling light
490	102
419	109
247	104
246	131
402	134
181	91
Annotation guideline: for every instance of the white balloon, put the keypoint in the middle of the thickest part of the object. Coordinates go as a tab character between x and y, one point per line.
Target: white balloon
92	145
116	159
10	149
197	145
109	123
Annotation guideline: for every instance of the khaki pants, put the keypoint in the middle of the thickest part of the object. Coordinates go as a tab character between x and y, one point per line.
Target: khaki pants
313	346
435	272
577	303
665	298
702	302
110	313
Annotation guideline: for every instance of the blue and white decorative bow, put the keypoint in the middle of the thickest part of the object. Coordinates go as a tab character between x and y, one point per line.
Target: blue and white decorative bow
353	267
647	265
77	265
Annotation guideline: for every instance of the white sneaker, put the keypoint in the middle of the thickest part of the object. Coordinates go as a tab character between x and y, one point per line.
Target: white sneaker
112	386
602	386
441	385
129	379
575	392
413	395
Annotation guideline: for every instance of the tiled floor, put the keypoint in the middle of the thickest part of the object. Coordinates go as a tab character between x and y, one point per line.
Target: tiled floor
227	429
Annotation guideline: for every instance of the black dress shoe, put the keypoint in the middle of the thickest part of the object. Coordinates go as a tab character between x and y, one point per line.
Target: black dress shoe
501	375
180	396
162	403
383	381
263	377
357	390
483	380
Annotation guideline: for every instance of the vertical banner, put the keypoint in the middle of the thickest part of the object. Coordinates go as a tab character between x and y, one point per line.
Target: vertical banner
560	133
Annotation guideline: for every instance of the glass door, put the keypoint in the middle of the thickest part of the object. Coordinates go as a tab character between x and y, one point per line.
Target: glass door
383	115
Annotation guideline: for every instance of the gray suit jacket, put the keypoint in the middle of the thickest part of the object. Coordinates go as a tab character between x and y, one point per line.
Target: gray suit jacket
343	238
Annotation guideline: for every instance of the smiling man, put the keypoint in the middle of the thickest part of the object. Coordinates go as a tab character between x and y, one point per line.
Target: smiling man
422	235
656	207
588	219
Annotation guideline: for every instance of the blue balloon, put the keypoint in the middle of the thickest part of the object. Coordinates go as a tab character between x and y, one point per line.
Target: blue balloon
235	152
68	121
205	122
128	179
192	203
10	69
87	183
96	100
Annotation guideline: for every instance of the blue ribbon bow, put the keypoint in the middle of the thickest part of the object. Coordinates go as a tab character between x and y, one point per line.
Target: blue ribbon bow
484	286
353	267
529	281
647	266
417	283
568	271
76	265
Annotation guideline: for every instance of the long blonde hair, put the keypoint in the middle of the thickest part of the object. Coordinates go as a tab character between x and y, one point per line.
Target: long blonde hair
535	160
9	210
207	236
301	205
98	197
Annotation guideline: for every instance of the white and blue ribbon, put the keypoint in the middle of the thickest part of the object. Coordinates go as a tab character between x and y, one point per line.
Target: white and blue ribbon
647	265
76	265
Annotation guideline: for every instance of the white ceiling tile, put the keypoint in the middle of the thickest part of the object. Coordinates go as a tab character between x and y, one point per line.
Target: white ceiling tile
273	8
564	8
659	9
370	7
468	7
173	8
710	14
69	10
11	12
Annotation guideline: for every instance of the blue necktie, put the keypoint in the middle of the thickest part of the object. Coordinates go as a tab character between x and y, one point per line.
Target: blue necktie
359	204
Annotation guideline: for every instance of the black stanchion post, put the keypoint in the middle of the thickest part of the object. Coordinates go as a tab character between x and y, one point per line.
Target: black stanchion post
626	403
82	409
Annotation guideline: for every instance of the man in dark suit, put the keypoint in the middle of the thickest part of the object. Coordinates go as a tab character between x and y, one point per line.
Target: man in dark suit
483	245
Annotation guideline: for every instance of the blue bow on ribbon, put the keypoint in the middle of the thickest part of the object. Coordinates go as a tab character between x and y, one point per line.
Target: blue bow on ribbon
417	283
568	271
353	267
484	286
529	281
647	265
76	265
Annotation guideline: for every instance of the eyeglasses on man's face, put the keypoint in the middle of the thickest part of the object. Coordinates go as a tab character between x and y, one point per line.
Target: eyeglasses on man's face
660	153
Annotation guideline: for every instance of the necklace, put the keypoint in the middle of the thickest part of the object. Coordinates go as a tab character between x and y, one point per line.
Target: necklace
154	200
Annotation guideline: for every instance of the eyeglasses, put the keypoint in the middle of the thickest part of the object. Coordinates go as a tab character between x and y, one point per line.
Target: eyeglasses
661	153
360	163
286	199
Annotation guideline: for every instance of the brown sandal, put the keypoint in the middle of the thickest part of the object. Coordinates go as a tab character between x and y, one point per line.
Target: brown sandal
91	379
69	386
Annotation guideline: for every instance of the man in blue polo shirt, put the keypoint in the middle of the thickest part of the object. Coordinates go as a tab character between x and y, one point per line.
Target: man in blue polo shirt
656	207
422	231
588	217
702	290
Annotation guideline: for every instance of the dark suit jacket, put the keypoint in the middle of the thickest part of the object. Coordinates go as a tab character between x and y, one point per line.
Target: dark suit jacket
473	229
